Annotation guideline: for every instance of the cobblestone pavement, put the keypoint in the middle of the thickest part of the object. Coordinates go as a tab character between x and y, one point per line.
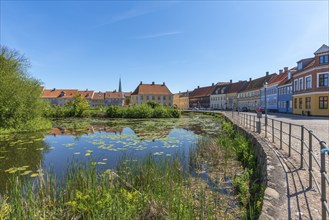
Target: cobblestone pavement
304	200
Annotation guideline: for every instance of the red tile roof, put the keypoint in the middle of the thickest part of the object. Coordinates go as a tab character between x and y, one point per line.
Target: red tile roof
237	86
203	91
152	89
99	95
113	95
259	82
56	93
277	79
86	94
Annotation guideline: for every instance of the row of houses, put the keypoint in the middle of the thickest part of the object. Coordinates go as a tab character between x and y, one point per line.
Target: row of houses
60	97
300	90
142	94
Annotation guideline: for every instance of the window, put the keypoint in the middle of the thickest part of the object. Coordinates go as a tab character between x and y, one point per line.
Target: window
308	102
323	79
324	59
300	103
300	66
301	84
323	102
296	85
308	82
295	103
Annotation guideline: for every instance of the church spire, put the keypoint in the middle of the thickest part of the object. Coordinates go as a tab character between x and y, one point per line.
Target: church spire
120	90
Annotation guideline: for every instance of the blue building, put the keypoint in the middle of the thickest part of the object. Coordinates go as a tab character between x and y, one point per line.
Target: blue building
285	93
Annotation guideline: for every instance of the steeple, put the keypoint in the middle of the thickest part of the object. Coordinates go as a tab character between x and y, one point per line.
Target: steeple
120	90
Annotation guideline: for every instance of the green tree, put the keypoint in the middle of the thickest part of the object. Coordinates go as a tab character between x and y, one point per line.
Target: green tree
77	105
21	107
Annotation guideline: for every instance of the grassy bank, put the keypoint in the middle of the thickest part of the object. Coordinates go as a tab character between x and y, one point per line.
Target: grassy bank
249	189
152	188
38	124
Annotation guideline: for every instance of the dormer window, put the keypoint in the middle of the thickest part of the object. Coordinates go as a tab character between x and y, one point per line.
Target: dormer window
324	59
62	93
300	65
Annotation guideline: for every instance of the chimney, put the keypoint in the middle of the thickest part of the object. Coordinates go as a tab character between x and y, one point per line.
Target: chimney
179	92
163	83
249	79
141	83
54	89
213	84
267	73
280	72
230	81
153	83
198	87
285	69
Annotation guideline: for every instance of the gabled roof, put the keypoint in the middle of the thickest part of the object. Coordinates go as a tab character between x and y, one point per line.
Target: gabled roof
258	83
86	93
286	81
152	89
277	79
202	91
221	89
323	49
237	87
57	93
113	95
99	95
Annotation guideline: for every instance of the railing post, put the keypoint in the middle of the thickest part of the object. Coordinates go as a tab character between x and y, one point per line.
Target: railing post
310	133
254	123
272	130
302	146
280	135
265	127
289	139
323	181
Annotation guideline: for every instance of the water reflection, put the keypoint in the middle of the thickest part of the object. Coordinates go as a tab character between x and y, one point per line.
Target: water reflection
104	143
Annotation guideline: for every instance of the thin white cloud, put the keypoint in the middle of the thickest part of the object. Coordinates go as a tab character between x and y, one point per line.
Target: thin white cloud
144	9
160	35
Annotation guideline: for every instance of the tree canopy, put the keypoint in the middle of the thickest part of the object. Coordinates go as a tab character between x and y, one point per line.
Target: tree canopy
20	103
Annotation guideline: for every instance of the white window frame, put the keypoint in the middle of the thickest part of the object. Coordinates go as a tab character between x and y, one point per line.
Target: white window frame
296	85
299	82
317	79
310	87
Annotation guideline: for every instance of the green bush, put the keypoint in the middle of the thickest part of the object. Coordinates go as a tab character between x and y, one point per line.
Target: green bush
142	111
20	103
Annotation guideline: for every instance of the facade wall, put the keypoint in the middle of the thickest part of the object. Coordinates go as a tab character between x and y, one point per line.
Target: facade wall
97	102
114	101
218	101
314	105
165	100
271	98
285	98
183	103
231	101
249	99
312	83
200	102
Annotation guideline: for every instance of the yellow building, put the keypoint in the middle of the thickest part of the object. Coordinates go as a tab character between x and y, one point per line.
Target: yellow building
181	100
152	92
311	84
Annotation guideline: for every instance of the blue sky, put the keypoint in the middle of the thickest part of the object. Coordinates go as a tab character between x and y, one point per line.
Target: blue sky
90	44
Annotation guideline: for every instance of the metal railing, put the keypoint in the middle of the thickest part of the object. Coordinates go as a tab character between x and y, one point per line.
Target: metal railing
296	140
